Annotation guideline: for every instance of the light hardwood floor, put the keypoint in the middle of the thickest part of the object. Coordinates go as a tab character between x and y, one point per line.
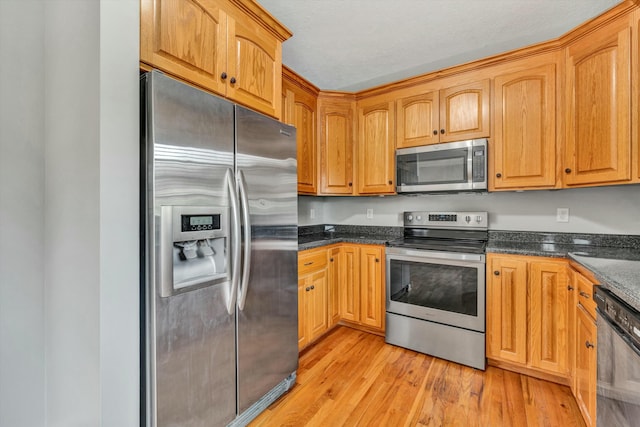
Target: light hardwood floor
352	378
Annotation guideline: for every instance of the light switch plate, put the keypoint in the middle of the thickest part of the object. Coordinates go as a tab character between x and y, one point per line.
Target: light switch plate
369	213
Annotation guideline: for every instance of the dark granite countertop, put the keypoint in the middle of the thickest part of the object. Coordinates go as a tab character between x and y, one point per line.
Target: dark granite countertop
310	241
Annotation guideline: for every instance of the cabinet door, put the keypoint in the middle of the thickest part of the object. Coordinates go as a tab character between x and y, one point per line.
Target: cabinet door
304	113
317	305
350	283
464	111
371	286
303	283
336	147
334	285
524	149
417	120
598	145
254	66
186	38
549	317
376	155
585	369
507	309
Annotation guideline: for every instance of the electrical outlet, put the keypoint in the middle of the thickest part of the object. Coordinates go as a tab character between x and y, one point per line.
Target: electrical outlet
369	213
312	213
562	215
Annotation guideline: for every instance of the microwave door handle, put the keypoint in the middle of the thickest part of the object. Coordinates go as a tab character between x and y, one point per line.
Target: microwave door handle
246	218
235	241
470	164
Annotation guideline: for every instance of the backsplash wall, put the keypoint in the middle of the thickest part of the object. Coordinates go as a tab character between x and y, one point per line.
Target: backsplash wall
607	210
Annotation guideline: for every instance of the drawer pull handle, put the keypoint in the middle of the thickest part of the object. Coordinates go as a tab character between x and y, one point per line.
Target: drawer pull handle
308	263
588	344
584	294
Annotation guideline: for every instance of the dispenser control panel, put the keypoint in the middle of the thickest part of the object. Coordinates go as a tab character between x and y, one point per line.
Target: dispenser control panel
200	222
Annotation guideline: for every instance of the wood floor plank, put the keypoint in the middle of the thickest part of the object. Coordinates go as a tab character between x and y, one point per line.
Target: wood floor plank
352	378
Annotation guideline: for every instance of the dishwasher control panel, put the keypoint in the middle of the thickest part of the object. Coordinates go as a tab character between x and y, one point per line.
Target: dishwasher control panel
619	313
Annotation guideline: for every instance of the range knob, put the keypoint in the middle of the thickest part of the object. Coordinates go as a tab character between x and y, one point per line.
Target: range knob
467	219
409	217
418	218
478	219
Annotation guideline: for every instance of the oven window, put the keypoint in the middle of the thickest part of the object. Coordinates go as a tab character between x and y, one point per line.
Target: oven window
442	287
444	167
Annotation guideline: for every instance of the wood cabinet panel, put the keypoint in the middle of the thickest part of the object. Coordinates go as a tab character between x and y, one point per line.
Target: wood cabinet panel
350	283
317	304
303	338
371	286
464	111
598	144
586	365
524	144
376	155
336	146
507	309
549	316
418	120
313	288
334	267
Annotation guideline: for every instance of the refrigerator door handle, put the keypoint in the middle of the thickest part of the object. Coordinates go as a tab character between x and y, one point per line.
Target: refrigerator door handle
246	218
235	242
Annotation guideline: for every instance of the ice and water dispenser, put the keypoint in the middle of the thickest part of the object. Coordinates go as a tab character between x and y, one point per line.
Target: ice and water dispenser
194	248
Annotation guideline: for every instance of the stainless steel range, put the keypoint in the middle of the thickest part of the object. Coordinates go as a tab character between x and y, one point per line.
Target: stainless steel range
435	280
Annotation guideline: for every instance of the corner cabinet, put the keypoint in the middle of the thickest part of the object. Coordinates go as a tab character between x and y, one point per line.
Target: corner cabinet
524	135
232	48
336	144
598	82
376	153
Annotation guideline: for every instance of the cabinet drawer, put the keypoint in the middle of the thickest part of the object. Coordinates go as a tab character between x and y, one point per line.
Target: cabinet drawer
585	294
311	261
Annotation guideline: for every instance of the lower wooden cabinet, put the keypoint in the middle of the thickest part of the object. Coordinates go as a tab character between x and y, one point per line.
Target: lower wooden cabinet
528	315
342	283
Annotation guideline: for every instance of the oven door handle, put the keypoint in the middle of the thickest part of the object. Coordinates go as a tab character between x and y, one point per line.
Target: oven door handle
423	256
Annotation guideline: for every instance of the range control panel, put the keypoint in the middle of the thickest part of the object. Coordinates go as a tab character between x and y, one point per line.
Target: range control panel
426	219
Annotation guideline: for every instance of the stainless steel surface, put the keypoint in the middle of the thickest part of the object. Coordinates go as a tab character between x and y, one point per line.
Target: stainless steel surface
448	220
474	165
205	364
267	326
618	361
246	221
450	343
463	261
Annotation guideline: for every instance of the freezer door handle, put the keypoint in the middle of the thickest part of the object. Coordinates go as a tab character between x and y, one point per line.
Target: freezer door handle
235	241
246	219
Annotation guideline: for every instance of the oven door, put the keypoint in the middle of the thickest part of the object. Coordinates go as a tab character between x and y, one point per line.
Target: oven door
443	287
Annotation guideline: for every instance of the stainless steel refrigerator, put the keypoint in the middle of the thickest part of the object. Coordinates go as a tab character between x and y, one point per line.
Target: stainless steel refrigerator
218	257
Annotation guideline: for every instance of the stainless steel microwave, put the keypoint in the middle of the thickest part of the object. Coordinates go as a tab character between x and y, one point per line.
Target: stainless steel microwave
451	166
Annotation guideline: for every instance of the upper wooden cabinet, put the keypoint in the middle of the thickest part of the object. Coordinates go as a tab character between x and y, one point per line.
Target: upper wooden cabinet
451	114
523	150
376	154
598	81
300	110
464	111
336	144
233	48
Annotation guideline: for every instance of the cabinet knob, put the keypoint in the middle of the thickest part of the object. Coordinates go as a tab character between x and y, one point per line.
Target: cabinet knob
223	76
569	287
308	289
312	287
377	259
497	273
442	131
233	80
588	344
390	182
498	175
351	184
435	131
567	170
331	259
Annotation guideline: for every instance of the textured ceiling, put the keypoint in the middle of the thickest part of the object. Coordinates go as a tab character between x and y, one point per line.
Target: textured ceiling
357	44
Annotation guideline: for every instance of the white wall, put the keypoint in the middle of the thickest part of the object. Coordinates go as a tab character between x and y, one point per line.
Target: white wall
614	210
22	374
69	213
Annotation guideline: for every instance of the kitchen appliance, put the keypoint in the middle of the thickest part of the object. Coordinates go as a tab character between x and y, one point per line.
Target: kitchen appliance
618	361
450	167
218	258
435	282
